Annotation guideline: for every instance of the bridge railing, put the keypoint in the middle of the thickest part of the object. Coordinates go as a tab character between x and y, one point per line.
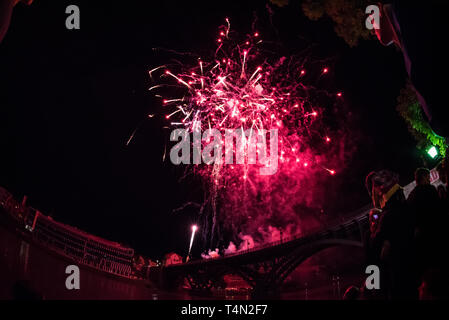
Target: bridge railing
68	241
336	223
83	248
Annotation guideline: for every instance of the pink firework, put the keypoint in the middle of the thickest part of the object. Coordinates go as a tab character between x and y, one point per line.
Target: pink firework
244	87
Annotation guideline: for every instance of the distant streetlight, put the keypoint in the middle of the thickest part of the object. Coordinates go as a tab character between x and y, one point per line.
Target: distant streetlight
432	152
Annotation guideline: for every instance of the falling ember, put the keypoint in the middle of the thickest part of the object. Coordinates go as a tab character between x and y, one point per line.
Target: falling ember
247	90
243	64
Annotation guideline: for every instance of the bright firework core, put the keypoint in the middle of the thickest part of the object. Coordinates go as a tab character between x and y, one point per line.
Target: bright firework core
243	87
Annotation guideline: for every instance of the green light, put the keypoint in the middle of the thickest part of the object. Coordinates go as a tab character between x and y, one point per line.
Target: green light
432	152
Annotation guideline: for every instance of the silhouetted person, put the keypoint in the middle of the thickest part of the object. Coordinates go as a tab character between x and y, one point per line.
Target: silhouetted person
373	245
426	206
395	235
442	186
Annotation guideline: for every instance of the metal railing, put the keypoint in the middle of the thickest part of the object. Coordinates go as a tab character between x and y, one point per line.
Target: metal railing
68	241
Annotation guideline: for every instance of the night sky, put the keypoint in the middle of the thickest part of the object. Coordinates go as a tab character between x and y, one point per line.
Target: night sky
70	99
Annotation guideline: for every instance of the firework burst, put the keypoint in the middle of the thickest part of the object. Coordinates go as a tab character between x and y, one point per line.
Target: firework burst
244	87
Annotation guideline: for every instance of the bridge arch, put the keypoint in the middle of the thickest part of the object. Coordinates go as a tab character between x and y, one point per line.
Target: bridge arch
312	249
266	269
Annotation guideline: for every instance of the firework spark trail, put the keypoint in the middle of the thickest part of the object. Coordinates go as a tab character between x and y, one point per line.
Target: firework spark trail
194	227
135	130
217	94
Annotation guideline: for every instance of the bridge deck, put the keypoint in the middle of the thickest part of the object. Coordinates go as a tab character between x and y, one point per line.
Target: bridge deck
350	225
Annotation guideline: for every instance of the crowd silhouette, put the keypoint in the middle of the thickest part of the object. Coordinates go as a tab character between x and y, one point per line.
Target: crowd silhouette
407	238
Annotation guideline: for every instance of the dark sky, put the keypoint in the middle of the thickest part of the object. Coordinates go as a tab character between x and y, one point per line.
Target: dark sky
69	99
